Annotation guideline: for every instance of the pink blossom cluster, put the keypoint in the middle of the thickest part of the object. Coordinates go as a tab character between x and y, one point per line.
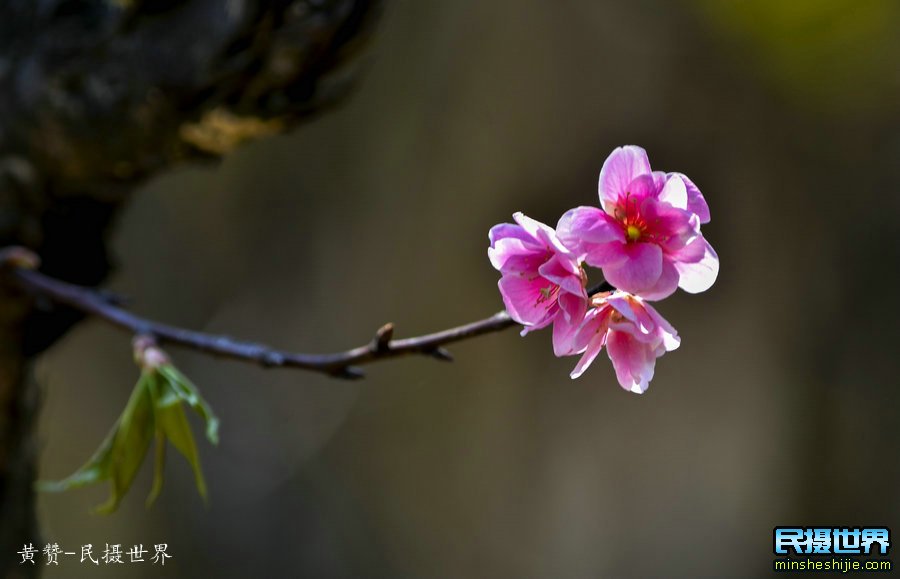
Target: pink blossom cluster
645	237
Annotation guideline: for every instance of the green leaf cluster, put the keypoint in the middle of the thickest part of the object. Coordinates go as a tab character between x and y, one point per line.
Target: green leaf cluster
155	410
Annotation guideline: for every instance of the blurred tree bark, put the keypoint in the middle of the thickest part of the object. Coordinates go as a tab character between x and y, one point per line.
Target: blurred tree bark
99	95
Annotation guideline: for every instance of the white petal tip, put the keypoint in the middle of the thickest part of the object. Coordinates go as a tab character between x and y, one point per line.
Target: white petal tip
698	283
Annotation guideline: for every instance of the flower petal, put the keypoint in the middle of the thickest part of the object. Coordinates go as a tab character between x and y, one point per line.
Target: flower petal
639	322
666	285
514	250
527	299
671	341
587	225
645	323
621	303
508	230
590	338
641	187
565	273
596	321
669	226
514	255
633	361
696	203
541	232
674	193
619	170
698	276
640	270
659	179
635	321
604	255
571	316
566	326
573	306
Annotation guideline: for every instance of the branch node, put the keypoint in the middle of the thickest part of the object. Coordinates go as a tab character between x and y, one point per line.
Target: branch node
19	257
147	353
382	341
270	359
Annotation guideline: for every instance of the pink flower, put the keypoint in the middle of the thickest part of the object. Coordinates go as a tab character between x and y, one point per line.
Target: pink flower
646	238
634	334
542	282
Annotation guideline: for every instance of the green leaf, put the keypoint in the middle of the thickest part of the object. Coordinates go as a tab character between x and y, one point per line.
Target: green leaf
93	471
130	443
171	423
159	468
155	408
188	392
120	455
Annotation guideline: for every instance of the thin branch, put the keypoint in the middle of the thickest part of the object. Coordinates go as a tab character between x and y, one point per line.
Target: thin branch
22	267
603	286
340	364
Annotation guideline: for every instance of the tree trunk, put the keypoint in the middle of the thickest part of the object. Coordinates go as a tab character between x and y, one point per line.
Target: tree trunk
18	410
98	96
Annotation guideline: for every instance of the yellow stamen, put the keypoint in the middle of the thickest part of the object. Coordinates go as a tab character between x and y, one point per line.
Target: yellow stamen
633	232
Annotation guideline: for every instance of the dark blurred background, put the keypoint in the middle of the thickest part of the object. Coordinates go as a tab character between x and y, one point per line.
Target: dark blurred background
780	407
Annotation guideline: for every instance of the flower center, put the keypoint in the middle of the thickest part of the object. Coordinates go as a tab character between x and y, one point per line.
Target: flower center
633	232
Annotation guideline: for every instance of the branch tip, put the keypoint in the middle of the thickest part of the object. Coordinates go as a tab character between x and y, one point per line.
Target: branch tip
441	353
349	373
